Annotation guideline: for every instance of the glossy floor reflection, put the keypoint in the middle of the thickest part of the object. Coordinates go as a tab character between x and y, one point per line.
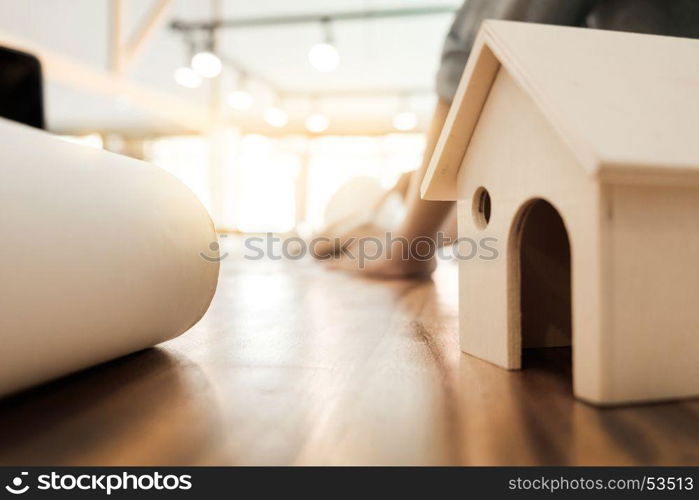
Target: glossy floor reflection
294	364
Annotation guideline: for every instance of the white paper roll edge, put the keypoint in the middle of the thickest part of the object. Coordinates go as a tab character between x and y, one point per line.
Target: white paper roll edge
100	256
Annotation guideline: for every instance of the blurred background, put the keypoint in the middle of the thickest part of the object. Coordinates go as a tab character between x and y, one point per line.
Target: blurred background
265	109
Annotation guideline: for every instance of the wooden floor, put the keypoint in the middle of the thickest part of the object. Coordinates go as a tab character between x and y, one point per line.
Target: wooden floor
294	364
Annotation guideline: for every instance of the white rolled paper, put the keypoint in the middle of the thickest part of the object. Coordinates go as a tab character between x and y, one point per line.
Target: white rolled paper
100	256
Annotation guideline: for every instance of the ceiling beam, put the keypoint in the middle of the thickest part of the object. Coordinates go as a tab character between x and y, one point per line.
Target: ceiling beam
139	41
117	16
256	22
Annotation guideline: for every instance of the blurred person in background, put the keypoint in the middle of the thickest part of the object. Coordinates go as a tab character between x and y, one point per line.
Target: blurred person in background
426	219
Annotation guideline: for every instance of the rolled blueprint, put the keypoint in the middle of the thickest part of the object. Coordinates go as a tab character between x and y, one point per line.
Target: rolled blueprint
100	256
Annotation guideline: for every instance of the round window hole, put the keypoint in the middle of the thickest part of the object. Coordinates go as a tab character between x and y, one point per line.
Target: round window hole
481	208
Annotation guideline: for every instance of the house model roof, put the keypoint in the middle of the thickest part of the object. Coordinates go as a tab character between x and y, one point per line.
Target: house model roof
626	104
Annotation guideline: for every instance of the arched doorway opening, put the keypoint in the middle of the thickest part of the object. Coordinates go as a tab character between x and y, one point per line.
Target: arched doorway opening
540	270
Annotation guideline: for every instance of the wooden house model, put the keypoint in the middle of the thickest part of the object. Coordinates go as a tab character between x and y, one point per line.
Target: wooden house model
578	150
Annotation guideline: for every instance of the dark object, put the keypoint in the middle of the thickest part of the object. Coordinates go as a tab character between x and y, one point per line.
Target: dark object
655	17
21	96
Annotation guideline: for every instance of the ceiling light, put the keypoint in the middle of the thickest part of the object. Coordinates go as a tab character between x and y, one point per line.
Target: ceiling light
405	121
317	123
240	99
207	64
324	57
187	77
276	117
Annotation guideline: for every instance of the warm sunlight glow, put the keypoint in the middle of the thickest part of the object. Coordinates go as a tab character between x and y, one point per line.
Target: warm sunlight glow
240	99
405	121
317	123
266	200
185	157
276	117
274	183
